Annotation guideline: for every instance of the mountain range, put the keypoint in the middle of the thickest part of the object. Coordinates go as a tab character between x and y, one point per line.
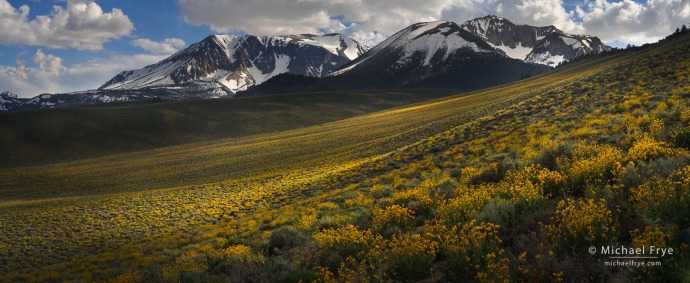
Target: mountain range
480	53
438	54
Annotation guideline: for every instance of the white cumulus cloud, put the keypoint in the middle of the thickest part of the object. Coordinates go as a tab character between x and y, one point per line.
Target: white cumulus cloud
48	62
19	72
81	24
167	46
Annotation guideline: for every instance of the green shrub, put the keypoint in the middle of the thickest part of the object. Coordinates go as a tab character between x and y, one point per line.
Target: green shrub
331	260
446	188
285	237
300	275
493	174
412	268
200	277
547	158
682	138
498	211
630	178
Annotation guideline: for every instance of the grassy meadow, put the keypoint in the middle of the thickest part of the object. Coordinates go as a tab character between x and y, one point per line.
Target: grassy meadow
509	184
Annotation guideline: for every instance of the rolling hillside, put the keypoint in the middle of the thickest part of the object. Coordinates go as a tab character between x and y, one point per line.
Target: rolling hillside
48	135
519	179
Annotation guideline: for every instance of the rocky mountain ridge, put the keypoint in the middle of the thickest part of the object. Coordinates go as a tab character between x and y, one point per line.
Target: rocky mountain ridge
541	45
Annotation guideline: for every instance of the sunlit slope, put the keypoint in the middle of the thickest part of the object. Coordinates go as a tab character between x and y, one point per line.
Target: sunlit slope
266	154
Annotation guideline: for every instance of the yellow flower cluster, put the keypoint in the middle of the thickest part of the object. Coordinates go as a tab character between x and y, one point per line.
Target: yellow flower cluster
654	236
419	193
372	258
648	149
360	200
407	245
657	126
127	277
394	215
471	236
582	223
306	222
241	253
329	205
346	237
468	201
468	173
525	187
187	263
591	166
472	251
668	198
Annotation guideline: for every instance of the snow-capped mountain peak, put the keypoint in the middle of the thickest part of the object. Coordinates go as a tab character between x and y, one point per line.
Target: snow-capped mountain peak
225	64
435	41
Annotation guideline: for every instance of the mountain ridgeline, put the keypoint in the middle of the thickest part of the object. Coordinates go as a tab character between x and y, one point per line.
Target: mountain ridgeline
426	55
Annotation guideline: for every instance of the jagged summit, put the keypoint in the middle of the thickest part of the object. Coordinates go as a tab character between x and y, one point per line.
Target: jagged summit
545	45
10	101
8	94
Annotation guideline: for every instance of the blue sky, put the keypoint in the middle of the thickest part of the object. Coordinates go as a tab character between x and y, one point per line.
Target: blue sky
49	46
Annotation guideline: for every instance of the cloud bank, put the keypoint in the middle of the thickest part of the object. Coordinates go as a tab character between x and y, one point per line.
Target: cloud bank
372	21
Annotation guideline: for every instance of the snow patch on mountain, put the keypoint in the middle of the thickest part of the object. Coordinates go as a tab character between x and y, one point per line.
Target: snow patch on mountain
569	41
430	44
546	59
518	52
281	66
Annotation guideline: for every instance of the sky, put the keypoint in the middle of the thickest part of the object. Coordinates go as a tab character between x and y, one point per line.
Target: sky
56	46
